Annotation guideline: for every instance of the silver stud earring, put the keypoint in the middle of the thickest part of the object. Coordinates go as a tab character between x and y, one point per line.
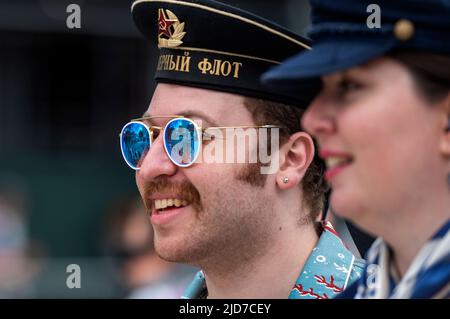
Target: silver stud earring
285	180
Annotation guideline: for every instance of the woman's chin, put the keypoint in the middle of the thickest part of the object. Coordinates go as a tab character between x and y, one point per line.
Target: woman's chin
346	205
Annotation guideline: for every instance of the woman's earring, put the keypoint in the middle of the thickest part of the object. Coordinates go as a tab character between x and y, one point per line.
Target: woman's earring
286	179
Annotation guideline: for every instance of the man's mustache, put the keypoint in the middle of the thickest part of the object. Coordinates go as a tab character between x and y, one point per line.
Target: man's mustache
183	190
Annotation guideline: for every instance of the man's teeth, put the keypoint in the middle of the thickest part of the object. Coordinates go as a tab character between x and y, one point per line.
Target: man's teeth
336	161
164	203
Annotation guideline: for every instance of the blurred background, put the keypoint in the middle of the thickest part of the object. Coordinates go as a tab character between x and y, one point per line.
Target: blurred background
66	196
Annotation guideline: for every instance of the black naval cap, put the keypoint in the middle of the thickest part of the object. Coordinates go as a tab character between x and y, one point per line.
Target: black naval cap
342	37
211	45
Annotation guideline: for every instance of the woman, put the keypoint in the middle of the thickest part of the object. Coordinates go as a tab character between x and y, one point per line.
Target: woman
382	121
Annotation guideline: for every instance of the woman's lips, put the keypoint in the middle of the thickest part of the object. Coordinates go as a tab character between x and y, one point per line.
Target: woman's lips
332	172
335	162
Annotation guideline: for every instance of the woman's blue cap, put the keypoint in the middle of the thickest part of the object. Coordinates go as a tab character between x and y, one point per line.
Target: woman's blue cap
347	33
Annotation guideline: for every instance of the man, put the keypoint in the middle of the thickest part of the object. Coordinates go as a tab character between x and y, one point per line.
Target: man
250	227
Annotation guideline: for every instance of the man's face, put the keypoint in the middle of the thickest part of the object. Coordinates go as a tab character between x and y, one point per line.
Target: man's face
223	213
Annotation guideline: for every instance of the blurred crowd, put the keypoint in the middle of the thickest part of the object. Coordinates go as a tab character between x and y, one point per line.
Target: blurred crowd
140	272
18	268
128	265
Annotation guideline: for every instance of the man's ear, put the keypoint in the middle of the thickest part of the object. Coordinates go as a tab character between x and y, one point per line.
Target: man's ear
295	157
445	140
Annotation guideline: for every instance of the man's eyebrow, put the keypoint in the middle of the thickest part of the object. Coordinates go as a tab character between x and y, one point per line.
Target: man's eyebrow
201	115
188	114
146	117
149	119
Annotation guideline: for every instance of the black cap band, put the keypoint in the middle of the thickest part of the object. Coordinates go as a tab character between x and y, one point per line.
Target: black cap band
211	45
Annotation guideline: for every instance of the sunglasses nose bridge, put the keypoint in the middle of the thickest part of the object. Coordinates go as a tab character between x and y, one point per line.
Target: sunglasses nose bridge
155	131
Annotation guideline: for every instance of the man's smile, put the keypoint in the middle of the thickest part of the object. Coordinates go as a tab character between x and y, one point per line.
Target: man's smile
161	204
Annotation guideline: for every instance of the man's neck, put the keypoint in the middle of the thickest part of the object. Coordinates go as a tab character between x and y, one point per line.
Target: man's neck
271	274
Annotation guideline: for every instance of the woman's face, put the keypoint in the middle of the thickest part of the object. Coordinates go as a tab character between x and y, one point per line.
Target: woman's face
381	140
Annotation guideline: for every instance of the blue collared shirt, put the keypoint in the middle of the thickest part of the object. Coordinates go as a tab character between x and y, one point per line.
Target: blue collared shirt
329	270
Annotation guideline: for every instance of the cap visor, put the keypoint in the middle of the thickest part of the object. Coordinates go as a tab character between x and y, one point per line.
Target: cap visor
325	58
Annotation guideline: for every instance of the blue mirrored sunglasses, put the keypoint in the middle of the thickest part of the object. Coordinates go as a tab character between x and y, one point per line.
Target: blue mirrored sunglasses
181	137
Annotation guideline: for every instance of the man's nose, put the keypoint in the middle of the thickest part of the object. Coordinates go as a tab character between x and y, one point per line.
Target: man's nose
156	162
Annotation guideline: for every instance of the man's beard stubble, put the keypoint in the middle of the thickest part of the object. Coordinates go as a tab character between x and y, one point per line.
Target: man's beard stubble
224	225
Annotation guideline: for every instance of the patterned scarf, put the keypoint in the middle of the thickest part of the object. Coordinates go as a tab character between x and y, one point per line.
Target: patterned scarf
329	269
427	277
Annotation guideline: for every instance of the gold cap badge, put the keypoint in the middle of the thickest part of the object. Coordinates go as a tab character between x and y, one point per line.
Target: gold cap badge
170	30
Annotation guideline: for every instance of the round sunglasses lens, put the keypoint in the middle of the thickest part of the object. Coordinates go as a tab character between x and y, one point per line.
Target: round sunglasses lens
182	142
135	142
